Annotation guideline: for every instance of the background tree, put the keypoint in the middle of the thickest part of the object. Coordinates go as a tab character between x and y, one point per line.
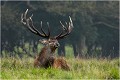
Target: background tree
95	33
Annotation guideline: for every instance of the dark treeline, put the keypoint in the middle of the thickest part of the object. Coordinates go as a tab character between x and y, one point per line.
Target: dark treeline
96	25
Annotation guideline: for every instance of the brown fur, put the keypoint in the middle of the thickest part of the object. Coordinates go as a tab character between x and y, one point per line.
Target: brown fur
43	57
61	64
47	59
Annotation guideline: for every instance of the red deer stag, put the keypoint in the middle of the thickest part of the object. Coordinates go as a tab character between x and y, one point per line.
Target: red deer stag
46	57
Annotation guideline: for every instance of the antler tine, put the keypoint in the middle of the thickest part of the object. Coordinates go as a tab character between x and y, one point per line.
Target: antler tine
32	26
64	28
66	23
29	23
71	23
48	28
67	29
23	17
24	20
43	30
25	14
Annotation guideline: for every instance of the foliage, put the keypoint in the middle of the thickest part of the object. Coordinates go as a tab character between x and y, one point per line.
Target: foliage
96	24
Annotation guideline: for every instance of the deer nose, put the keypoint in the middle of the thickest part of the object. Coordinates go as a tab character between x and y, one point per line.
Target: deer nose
57	44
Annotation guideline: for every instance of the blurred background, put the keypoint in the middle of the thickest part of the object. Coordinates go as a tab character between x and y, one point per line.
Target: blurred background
95	32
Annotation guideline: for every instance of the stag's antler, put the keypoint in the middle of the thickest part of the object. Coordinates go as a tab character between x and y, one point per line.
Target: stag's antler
67	29
29	24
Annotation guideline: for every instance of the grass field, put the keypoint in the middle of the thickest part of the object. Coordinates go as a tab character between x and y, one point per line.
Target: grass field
15	68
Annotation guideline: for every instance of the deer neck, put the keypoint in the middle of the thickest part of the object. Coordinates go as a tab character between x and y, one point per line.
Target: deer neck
47	51
53	49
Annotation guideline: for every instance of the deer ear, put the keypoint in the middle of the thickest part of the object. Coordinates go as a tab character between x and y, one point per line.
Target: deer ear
43	41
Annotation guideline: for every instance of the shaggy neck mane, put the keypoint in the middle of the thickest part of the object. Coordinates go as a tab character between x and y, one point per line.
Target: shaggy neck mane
46	51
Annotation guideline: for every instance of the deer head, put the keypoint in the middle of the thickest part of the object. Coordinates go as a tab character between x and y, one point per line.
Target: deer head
48	41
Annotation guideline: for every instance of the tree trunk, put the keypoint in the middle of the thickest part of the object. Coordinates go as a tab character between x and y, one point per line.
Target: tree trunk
61	49
116	51
75	49
81	46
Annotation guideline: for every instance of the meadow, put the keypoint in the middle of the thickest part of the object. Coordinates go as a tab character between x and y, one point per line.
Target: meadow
92	68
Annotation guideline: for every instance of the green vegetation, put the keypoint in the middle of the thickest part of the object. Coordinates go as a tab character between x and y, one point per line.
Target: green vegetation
15	68
95	35
22	68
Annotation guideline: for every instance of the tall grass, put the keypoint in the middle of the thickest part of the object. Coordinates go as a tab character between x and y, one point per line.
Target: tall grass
15	68
22	68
